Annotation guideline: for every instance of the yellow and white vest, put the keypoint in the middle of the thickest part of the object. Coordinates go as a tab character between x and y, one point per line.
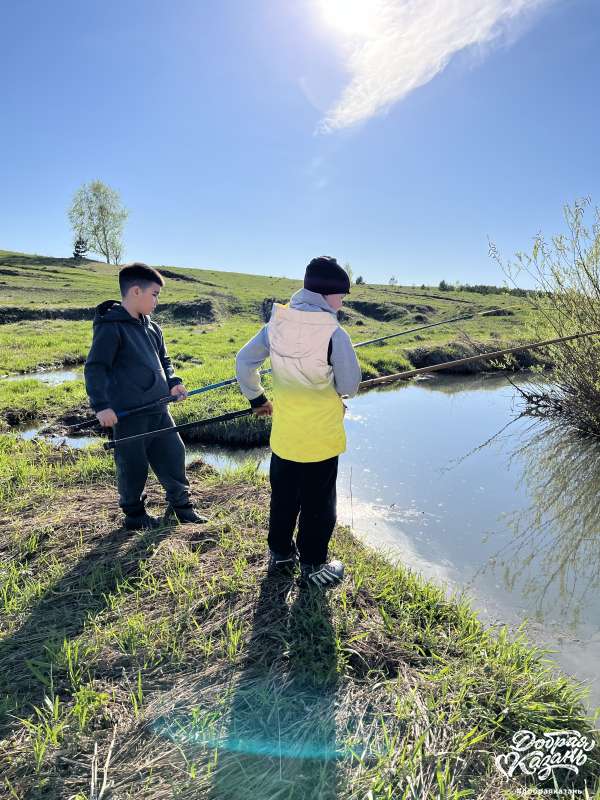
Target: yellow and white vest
308	413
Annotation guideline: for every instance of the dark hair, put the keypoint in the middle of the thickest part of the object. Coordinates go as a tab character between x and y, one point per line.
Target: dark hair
138	274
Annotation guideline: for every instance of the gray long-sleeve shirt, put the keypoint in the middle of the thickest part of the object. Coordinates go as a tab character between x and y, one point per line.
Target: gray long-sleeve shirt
346	369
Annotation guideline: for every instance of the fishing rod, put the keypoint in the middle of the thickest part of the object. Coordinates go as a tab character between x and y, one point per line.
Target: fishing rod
163	401
421	328
110	445
410	373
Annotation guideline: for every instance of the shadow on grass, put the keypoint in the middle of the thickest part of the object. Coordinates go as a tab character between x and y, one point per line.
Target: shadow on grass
279	737
28	656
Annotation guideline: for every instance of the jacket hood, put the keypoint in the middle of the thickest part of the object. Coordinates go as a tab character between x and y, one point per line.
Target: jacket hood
113	311
305	300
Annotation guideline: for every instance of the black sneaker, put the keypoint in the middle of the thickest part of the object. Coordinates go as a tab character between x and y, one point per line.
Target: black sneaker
186	514
324	576
141	522
281	564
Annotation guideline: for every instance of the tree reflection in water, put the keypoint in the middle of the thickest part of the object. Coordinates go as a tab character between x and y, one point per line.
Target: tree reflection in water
553	555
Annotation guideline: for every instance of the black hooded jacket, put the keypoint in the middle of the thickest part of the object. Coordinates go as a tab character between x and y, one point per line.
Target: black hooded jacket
127	365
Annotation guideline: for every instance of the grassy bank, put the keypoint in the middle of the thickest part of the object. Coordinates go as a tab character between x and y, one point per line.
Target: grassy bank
41	282
30	402
371	310
203	347
174	654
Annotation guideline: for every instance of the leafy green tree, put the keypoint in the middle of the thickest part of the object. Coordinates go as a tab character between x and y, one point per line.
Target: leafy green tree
360	280
97	216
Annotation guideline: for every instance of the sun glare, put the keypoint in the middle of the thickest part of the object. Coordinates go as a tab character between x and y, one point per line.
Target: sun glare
349	17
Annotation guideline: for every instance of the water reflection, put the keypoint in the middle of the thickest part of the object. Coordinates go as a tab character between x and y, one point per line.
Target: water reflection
513	521
53	377
223	458
77	442
554	553
483	382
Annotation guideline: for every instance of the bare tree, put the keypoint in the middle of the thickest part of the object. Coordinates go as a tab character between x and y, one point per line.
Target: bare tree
349	270
97	216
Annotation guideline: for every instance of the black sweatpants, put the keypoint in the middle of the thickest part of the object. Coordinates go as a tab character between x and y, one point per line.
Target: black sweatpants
165	454
307	489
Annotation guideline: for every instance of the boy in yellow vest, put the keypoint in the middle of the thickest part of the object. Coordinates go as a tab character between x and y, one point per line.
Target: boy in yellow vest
314	365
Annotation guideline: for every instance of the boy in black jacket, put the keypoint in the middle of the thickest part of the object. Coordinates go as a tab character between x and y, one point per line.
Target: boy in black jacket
128	366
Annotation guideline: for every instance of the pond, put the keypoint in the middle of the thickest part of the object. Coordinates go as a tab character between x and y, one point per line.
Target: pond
443	476
24	432
53	377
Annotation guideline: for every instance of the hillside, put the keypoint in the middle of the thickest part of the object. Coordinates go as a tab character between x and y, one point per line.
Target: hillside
207	315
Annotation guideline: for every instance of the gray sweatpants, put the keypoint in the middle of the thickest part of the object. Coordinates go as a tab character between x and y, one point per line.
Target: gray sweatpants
164	453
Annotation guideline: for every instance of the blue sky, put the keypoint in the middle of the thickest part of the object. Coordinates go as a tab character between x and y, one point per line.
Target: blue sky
252	135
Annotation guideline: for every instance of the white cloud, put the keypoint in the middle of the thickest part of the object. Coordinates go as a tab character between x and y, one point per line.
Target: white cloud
407	43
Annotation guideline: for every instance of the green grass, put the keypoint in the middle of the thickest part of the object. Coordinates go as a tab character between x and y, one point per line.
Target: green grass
168	663
31	345
29	400
39	282
205	352
42	282
172	652
39	469
36	344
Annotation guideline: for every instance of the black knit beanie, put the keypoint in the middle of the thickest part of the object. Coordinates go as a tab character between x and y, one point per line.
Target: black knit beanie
325	276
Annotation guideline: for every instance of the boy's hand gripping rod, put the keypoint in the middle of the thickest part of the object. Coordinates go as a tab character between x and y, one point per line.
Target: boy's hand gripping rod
363	385
209	387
